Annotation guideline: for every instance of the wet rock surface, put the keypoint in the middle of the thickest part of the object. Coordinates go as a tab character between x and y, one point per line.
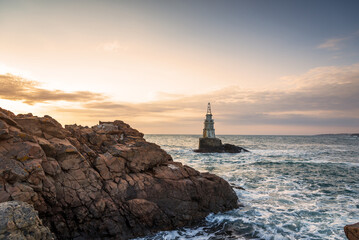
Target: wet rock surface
103	182
20	221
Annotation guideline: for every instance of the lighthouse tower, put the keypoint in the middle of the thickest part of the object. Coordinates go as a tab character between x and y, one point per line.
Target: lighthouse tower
208	142
208	130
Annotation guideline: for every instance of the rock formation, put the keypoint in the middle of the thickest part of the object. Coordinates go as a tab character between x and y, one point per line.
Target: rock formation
214	145
103	182
19	221
352	231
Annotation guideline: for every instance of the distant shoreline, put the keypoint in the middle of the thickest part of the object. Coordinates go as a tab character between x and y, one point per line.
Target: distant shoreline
350	134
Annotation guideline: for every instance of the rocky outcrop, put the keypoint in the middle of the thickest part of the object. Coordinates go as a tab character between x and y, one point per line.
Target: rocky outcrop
103	182
214	145
230	148
352	231
19	221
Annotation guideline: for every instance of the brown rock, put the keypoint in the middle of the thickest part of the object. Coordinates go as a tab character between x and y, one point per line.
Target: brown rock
51	167
12	171
352	231
147	213
101	182
42	127
4	130
6	117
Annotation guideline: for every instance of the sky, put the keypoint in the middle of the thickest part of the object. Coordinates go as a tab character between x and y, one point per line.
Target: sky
267	67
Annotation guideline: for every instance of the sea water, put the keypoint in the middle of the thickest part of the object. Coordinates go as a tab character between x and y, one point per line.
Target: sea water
296	187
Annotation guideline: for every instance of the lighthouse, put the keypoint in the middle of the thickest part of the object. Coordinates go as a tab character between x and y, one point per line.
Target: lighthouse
208	130
208	142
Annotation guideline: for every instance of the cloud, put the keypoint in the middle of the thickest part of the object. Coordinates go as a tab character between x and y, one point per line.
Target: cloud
338	43
325	96
322	98
323	75
332	44
19	89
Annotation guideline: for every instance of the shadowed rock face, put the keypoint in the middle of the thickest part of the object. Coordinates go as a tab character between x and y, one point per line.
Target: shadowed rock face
101	182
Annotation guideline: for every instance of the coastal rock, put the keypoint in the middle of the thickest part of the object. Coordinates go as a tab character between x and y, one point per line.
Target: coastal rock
352	231
230	148
103	182
20	221
214	145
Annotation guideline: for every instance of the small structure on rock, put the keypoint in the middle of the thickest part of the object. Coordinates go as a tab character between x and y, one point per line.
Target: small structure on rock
209	143
209	140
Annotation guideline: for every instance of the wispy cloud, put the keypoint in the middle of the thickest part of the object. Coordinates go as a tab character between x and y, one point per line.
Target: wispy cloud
20	89
332	44
319	76
339	42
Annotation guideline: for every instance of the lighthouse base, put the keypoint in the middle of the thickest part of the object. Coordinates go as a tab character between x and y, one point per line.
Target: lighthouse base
214	145
210	143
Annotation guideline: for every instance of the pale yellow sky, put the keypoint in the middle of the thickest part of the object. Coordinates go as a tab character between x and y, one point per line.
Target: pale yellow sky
157	65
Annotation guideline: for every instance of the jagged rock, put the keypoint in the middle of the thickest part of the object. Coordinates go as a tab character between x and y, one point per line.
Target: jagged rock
20	221
103	182
352	231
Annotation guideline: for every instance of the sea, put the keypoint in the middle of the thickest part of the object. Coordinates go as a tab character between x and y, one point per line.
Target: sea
294	187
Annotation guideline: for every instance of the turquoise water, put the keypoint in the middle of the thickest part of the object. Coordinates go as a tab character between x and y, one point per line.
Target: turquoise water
296	187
